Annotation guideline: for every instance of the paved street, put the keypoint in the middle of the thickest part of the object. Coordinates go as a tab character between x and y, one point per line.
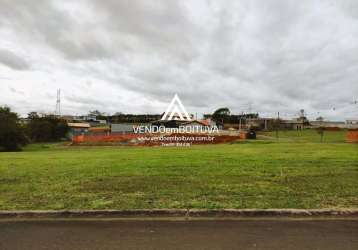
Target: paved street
248	234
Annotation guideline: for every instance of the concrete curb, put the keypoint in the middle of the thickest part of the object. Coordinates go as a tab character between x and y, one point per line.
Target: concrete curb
182	213
275	213
94	213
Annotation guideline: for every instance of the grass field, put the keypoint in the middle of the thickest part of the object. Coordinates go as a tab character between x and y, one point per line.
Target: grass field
295	171
308	136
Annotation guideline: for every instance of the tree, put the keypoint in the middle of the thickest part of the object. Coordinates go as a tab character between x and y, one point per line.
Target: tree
95	113
61	129
320	119
12	136
46	128
321	128
32	115
220	114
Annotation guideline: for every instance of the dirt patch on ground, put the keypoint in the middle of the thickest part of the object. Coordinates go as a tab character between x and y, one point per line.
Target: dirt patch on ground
153	139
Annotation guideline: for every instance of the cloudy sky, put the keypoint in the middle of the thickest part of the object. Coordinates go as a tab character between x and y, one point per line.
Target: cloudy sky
132	56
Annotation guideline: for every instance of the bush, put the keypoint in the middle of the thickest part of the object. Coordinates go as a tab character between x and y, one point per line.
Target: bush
12	136
47	128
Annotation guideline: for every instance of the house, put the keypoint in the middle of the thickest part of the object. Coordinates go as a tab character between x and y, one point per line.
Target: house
168	123
259	124
78	128
270	124
352	122
329	124
102	122
179	123
208	122
99	130
91	119
294	124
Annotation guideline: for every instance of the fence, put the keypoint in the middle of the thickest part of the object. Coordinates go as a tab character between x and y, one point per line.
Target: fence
352	135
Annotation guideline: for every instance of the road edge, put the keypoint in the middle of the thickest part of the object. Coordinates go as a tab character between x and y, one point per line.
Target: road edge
182	213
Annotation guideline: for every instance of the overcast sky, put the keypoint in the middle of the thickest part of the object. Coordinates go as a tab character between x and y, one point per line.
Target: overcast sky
133	56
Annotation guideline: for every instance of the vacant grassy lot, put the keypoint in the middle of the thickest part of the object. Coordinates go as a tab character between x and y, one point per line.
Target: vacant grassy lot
293	172
309	135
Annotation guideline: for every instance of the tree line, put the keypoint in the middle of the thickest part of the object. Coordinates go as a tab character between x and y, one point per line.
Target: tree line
15	134
223	115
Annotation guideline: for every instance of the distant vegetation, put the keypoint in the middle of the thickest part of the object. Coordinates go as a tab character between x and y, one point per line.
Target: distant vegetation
45	128
14	134
307	135
131	118
223	115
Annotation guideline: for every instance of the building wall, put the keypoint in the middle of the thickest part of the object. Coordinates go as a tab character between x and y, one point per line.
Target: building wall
76	131
125	127
270	124
122	128
328	124
352	122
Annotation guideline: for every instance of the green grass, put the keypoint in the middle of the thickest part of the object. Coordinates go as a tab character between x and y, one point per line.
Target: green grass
295	172
308	135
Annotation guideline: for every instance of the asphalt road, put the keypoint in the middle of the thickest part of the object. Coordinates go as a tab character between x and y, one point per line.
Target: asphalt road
247	234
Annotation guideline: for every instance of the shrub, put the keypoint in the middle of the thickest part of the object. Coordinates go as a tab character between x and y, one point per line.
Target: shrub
12	136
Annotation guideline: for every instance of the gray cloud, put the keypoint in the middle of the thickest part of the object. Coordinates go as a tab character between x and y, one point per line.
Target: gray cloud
277	55
84	100
16	91
13	61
